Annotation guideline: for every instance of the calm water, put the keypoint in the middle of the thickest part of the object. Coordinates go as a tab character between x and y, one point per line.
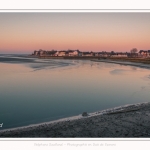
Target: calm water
36	90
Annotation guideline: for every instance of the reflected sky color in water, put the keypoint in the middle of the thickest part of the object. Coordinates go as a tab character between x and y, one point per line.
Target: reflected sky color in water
36	90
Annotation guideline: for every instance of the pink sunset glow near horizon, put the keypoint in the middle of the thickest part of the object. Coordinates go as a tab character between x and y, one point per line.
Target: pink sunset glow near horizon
26	32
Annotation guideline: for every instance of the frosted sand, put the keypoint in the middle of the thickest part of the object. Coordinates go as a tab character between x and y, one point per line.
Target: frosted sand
123	121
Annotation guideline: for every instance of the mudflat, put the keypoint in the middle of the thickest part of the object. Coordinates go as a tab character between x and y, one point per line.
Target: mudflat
124	62
128	122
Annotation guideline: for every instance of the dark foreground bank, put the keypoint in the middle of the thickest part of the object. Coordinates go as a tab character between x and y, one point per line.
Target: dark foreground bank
132	122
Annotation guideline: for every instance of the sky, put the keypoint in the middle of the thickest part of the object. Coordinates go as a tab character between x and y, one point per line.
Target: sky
119	32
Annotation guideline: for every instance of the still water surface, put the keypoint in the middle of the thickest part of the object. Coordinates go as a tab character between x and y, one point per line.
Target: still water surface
36	90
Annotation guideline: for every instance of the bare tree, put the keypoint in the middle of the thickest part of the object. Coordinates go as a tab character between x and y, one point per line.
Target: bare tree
133	51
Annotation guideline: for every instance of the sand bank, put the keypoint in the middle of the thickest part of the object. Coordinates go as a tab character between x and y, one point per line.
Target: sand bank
123	121
127	63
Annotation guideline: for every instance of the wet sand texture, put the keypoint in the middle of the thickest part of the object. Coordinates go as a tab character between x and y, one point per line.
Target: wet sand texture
130	122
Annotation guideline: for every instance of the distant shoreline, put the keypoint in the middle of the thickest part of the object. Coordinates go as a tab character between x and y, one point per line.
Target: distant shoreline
137	62
124	59
65	57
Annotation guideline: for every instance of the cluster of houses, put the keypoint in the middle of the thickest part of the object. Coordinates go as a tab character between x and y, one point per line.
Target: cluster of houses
144	53
40	52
